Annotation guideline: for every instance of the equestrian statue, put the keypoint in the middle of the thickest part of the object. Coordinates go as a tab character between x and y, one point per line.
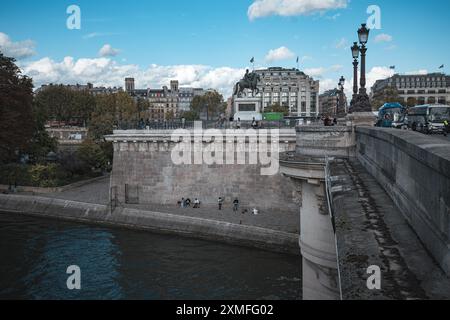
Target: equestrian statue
250	81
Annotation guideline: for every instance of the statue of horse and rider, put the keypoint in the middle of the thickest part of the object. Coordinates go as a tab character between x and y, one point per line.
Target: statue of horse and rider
250	81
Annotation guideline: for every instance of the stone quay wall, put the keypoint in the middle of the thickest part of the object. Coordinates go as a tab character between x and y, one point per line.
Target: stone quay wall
414	169
143	166
164	223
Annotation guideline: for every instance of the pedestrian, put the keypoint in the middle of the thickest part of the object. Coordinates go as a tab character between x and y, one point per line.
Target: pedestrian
446	127
236	205
254	124
255	211
196	203
183	203
220	201
238	123
335	122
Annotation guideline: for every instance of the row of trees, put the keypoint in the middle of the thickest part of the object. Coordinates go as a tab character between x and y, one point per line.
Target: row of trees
390	95
211	105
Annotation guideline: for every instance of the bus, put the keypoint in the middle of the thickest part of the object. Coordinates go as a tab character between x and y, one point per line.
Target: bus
392	115
428	118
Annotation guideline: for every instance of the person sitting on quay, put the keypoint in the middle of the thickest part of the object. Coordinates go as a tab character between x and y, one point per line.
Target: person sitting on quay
183	203
255	212
188	203
196	203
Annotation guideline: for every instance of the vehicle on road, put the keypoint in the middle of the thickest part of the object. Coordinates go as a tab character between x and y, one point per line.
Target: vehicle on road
428	118
392	115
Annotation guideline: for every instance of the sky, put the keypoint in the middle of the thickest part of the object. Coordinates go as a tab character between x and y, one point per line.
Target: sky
209	43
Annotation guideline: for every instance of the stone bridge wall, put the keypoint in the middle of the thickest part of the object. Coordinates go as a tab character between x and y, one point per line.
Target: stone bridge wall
414	169
143	161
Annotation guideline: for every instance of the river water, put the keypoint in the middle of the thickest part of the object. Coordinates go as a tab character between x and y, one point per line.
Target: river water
125	264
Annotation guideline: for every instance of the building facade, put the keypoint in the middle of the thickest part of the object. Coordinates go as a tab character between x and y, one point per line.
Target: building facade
165	103
290	88
431	88
328	102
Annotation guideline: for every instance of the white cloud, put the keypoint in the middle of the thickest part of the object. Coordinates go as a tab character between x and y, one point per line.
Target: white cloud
342	43
321	71
378	73
383	38
264	8
18	50
108	51
109	73
281	53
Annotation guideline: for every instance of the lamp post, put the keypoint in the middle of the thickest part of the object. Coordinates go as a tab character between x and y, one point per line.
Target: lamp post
362	102
340	112
355	55
363	35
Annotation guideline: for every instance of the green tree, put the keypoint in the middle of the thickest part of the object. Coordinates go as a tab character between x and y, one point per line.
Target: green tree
387	95
211	103
93	155
190	115
16	114
411	102
57	102
278	109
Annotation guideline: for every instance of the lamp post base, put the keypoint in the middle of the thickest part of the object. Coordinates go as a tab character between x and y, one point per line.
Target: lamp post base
361	103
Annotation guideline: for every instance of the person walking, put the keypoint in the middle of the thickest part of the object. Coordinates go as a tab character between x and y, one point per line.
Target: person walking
238	123
446	127
236	205
220	201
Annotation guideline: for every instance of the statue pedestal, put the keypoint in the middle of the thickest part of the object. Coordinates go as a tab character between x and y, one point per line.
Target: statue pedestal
366	119
247	109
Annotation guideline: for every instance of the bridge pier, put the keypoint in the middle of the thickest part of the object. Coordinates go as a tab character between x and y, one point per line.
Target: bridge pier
317	244
317	240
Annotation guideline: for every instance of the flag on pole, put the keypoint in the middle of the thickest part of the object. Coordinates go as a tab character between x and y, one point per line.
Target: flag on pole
252	60
441	67
297	59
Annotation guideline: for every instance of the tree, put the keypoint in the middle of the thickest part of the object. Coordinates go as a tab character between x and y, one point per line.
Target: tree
41	144
16	116
212	103
57	102
387	95
278	109
190	116
94	155
411	102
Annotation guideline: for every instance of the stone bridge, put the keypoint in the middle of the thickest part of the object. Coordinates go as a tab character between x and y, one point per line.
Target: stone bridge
367	198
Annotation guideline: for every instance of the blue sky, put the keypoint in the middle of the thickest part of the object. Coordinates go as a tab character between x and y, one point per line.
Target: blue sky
209	43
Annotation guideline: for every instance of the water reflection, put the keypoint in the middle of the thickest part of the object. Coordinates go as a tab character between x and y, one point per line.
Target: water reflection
124	264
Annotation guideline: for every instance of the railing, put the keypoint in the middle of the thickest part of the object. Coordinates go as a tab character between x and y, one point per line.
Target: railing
329	194
179	124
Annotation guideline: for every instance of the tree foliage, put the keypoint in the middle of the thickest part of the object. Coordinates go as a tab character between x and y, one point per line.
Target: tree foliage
211	102
16	115
387	95
278	109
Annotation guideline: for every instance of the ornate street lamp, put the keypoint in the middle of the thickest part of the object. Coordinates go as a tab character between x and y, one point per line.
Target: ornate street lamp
341	113
362	102
363	35
355	54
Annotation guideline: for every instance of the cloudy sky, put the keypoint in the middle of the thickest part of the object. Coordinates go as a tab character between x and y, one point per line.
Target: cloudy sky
209	44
